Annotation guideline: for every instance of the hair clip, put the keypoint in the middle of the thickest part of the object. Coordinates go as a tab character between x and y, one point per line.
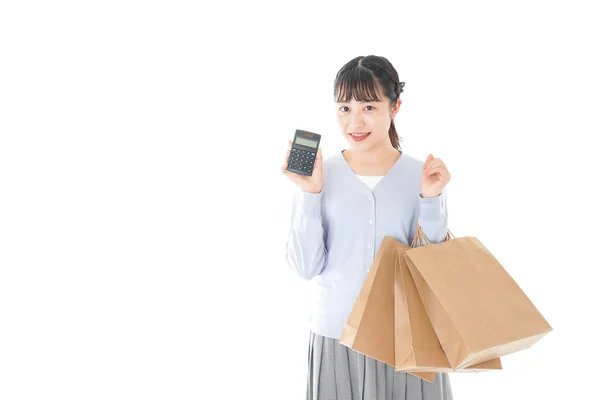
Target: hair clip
401	85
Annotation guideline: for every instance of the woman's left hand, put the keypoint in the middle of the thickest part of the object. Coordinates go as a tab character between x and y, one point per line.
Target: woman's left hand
434	178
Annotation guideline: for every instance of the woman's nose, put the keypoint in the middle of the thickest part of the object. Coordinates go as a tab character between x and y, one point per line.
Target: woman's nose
356	120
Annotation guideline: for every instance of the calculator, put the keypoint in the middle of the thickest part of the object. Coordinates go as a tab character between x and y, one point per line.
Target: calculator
303	152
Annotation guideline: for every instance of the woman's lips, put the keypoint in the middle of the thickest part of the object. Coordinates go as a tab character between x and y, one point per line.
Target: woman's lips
358	136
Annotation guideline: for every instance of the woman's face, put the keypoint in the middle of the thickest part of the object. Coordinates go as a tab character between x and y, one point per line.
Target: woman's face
365	125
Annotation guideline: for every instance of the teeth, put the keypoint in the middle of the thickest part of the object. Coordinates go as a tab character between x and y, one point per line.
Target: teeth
356	134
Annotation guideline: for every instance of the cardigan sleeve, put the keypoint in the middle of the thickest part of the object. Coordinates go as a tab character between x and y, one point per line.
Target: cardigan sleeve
433	217
306	253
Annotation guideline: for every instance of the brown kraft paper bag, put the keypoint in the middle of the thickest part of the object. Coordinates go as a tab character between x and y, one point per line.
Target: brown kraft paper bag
477	310
370	327
417	347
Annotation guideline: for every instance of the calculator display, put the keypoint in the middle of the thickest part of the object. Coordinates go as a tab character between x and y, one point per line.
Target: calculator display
306	142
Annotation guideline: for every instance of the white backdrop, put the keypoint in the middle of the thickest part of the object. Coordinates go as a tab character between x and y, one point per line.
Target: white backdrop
143	216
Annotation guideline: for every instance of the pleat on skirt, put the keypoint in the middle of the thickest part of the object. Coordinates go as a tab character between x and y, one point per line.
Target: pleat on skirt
336	372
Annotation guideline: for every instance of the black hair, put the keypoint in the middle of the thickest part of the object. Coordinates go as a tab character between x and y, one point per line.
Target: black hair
369	78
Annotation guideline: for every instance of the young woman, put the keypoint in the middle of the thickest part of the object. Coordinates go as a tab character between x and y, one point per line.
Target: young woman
340	215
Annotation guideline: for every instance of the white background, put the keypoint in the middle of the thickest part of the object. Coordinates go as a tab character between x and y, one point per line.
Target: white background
143	216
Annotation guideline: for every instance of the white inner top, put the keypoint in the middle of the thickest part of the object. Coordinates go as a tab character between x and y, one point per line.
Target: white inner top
370	181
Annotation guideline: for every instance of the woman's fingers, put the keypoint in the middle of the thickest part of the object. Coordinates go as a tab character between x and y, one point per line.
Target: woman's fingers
319	160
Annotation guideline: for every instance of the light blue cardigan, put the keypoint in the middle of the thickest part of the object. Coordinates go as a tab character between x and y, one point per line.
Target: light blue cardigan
334	235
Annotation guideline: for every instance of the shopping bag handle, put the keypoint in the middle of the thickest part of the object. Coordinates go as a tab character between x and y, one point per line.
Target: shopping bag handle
422	239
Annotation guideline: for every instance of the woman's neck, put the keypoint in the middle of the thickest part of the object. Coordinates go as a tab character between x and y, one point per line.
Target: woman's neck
372	158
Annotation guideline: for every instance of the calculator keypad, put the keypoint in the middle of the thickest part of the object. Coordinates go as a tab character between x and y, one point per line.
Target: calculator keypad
302	160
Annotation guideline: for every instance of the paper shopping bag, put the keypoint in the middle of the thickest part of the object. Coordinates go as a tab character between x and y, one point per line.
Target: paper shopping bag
477	310
417	347
370	327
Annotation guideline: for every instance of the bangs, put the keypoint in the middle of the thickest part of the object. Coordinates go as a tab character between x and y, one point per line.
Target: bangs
358	83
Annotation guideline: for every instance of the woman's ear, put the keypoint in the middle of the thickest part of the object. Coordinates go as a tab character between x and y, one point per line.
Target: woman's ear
396	108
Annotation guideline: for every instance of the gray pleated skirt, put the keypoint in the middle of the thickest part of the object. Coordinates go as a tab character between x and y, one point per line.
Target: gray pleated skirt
336	372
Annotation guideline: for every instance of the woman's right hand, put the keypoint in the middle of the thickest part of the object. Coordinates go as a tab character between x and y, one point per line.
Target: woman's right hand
311	184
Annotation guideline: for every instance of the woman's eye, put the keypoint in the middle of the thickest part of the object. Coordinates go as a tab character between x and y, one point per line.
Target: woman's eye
344	107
